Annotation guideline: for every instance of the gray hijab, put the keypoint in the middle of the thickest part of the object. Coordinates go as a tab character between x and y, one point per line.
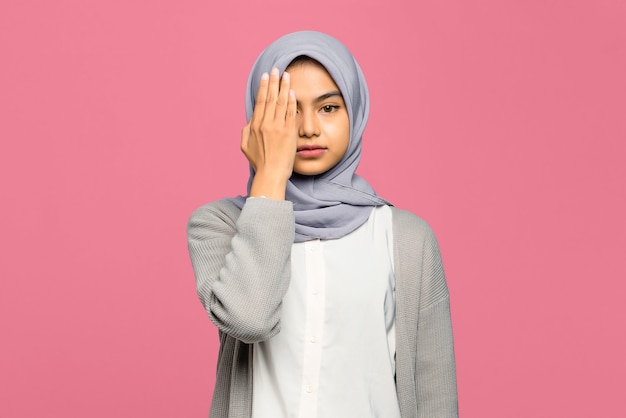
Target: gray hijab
335	203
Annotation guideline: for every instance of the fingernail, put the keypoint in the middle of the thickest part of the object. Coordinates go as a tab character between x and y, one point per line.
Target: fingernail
286	76
265	76
274	71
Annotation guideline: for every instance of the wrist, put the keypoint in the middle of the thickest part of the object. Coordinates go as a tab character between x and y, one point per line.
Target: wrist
268	185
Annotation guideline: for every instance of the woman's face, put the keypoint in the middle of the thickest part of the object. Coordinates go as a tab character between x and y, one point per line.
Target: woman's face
322	120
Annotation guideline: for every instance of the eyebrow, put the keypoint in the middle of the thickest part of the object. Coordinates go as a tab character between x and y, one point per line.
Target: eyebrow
335	93
328	96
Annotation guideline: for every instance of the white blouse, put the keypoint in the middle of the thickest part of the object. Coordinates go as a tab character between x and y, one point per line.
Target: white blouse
335	353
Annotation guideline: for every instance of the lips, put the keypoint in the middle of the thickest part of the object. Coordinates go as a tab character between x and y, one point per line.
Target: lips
309	147
310	151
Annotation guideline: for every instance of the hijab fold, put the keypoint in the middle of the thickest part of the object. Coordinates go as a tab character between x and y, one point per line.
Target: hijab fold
332	204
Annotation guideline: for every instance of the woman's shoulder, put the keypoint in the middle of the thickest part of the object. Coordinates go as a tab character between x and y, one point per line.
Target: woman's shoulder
406	222
217	216
220	208
418	258
221	216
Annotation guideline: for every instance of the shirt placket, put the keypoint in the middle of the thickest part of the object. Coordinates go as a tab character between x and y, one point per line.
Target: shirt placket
315	279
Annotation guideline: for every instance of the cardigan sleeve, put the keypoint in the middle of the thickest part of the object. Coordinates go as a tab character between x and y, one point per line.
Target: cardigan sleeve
425	366
435	364
241	263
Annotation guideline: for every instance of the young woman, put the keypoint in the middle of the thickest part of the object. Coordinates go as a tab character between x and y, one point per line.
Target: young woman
329	302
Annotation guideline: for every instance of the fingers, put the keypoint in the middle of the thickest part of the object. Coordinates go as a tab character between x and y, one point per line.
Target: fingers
283	97
272	94
290	116
272	97
261	95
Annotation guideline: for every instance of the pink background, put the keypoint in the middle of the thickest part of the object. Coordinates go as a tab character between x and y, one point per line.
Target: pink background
502	123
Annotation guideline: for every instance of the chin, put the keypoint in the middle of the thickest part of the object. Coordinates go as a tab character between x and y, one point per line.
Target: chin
310	171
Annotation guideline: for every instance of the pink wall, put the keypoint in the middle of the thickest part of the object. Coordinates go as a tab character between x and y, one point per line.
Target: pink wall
502	123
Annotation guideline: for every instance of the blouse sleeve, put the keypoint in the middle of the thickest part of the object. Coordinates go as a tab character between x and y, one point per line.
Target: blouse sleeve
242	264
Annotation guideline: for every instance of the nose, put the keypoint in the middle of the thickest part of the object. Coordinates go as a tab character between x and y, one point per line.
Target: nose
308	124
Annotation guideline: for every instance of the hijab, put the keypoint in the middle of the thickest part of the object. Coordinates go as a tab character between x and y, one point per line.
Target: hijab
332	204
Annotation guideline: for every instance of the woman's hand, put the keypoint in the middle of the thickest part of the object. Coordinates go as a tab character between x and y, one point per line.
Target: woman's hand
269	141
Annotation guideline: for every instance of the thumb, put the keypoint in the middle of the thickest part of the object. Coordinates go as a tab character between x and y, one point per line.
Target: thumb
245	135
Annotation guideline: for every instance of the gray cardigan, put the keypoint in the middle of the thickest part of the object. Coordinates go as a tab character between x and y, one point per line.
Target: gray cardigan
242	268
